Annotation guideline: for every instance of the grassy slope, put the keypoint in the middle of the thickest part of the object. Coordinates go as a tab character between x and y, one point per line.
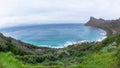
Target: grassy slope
8	61
106	55
103	60
106	58
87	55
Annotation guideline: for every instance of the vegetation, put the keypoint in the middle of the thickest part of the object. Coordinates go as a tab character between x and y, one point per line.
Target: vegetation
105	54
7	60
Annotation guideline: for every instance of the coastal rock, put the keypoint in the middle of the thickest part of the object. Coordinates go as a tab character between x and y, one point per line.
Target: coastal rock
95	22
110	26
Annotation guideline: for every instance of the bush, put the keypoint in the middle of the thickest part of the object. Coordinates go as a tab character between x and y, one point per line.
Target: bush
33	59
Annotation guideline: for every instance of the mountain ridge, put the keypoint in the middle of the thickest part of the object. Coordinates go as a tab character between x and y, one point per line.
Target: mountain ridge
110	26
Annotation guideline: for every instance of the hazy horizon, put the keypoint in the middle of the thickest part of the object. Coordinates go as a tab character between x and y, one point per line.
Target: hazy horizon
20	12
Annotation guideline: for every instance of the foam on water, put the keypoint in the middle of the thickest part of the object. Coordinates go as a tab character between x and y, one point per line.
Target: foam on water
55	35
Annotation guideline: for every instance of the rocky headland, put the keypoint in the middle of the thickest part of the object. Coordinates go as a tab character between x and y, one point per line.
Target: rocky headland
110	26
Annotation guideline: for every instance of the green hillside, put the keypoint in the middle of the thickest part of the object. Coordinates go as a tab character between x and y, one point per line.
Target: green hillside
105	54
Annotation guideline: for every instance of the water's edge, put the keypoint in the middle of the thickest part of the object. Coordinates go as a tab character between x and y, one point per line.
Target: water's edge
103	34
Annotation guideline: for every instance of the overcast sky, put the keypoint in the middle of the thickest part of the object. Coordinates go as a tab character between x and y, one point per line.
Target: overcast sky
14	12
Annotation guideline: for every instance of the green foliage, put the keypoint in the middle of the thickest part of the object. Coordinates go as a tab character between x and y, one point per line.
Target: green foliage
8	61
99	60
33	59
108	41
103	54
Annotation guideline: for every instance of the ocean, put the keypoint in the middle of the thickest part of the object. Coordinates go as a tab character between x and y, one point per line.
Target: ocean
54	35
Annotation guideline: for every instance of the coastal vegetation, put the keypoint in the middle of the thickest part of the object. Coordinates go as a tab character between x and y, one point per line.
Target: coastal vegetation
104	54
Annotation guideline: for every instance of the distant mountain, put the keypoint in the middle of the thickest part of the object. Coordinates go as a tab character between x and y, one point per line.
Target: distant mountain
110	26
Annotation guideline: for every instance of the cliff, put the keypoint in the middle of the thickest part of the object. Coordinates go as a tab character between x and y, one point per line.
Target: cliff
110	26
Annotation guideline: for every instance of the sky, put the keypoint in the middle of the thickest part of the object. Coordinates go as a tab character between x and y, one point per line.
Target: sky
21	12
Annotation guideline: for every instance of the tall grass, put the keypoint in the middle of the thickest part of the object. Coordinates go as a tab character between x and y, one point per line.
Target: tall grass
8	61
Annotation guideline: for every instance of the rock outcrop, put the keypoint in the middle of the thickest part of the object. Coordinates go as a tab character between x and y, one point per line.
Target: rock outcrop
110	26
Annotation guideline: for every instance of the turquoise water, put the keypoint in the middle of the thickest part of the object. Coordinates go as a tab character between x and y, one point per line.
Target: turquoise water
54	35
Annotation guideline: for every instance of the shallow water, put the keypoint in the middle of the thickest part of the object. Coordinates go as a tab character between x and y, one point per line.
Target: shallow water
54	35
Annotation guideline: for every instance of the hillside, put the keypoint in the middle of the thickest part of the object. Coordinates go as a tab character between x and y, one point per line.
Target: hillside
103	54
31	54
110	26
87	55
20	48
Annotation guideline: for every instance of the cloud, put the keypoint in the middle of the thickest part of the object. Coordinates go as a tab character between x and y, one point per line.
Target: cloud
15	12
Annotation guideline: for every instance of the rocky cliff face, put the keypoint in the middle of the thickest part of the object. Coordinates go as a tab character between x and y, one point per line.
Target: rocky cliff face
96	22
110	26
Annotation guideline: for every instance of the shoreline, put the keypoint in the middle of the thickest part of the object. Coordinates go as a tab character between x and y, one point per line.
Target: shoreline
104	34
68	43
80	42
